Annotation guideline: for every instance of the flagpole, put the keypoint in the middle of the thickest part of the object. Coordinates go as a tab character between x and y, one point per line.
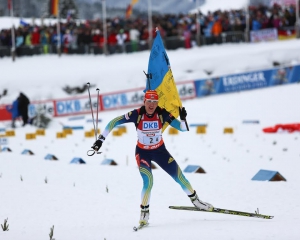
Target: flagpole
58	31
198	24
247	30
150	24
13	43
297	19
104	27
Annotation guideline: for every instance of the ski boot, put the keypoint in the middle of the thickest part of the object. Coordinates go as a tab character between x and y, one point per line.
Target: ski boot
200	204
144	215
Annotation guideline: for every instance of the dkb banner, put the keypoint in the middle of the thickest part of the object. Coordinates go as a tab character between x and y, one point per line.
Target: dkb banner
247	81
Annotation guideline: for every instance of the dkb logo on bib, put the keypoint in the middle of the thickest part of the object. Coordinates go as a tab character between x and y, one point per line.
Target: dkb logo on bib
153	125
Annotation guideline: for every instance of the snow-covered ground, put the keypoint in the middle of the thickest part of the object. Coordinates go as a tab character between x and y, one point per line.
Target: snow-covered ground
92	201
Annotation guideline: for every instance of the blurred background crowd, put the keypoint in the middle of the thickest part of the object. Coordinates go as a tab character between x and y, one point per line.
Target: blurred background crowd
130	35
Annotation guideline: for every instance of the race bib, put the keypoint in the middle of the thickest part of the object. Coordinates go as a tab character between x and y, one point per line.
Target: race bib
151	140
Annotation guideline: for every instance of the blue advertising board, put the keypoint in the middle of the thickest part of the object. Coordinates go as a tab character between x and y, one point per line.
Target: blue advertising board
247	81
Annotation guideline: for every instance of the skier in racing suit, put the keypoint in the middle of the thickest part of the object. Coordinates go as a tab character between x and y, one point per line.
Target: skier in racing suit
149	120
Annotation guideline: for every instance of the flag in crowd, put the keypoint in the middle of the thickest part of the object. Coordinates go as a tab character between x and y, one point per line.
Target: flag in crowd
53	8
23	23
129	8
161	78
128	11
9	4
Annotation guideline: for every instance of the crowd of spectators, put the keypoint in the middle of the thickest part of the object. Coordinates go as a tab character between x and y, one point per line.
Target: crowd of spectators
134	32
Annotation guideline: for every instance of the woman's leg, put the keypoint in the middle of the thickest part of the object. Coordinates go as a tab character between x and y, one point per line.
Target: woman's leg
146	173
169	165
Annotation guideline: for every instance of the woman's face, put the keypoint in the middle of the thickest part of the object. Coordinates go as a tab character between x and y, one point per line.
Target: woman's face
150	106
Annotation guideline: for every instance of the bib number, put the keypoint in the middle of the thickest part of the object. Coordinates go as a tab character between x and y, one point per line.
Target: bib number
151	140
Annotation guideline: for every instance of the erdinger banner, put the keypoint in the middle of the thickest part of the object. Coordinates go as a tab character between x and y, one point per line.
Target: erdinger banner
247	81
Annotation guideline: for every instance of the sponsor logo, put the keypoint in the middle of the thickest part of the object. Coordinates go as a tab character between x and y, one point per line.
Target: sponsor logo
150	135
130	98
127	115
155	146
67	107
245	78
147	125
145	162
170	160
46	108
186	90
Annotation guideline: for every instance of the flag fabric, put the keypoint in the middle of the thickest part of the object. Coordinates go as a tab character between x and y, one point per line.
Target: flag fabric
53	8
286	34
23	23
161	78
9	4
128	11
133	2
129	8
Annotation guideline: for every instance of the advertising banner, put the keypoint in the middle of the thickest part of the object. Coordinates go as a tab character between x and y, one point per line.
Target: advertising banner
247	81
117	100
45	107
264	35
74	106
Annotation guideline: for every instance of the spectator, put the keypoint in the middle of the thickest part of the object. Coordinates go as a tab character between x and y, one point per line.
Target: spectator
217	28
96	38
19	42
134	36
67	40
74	41
86	40
112	41
256	25
35	38
28	39
23	107
14	110
276	22
45	41
187	37
121	38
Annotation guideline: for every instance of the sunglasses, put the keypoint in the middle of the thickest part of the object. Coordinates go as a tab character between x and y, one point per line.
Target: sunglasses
151	101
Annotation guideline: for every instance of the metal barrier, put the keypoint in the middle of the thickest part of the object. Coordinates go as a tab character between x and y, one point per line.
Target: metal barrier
225	37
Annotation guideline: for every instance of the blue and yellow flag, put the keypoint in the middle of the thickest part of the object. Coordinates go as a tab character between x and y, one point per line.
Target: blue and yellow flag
161	78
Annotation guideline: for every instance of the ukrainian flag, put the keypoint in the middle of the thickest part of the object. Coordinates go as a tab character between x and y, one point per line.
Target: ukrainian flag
160	78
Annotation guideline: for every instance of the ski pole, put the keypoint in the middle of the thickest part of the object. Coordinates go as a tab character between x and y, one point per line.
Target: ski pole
95	128
97	112
92	110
